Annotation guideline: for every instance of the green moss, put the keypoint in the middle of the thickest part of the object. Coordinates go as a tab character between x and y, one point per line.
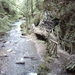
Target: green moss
23	28
48	59
65	12
23	25
4	24
40	41
43	69
37	19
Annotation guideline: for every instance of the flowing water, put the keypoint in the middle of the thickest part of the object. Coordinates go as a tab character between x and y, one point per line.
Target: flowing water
13	48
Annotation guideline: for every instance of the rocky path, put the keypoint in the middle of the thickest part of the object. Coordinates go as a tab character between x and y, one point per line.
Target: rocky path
18	55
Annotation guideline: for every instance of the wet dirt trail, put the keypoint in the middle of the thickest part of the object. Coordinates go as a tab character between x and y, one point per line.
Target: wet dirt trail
13	49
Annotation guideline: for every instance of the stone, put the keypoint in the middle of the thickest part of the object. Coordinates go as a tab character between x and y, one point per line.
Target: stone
32	74
1	39
9	50
51	74
14	52
21	61
2	73
5	55
8	42
3	46
23	36
4	41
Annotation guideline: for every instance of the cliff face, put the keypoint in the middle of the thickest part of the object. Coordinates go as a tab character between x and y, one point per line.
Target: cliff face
63	10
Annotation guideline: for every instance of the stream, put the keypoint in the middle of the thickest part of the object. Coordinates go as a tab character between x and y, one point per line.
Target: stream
13	48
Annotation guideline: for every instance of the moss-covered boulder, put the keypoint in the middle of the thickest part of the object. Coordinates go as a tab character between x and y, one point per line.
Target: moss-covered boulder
43	69
37	19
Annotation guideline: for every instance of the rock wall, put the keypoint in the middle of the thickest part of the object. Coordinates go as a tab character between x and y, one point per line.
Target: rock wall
63	10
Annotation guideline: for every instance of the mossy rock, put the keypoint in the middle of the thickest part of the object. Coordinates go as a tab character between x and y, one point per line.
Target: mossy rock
23	32
23	25
48	59
43	69
37	19
23	28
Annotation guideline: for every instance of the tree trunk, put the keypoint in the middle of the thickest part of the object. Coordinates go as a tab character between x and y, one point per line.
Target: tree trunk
32	8
27	14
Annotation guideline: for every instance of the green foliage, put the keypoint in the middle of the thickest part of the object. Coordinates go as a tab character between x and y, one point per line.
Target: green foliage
7	7
4	24
70	67
9	12
48	59
43	69
39	4
64	10
6	12
67	25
